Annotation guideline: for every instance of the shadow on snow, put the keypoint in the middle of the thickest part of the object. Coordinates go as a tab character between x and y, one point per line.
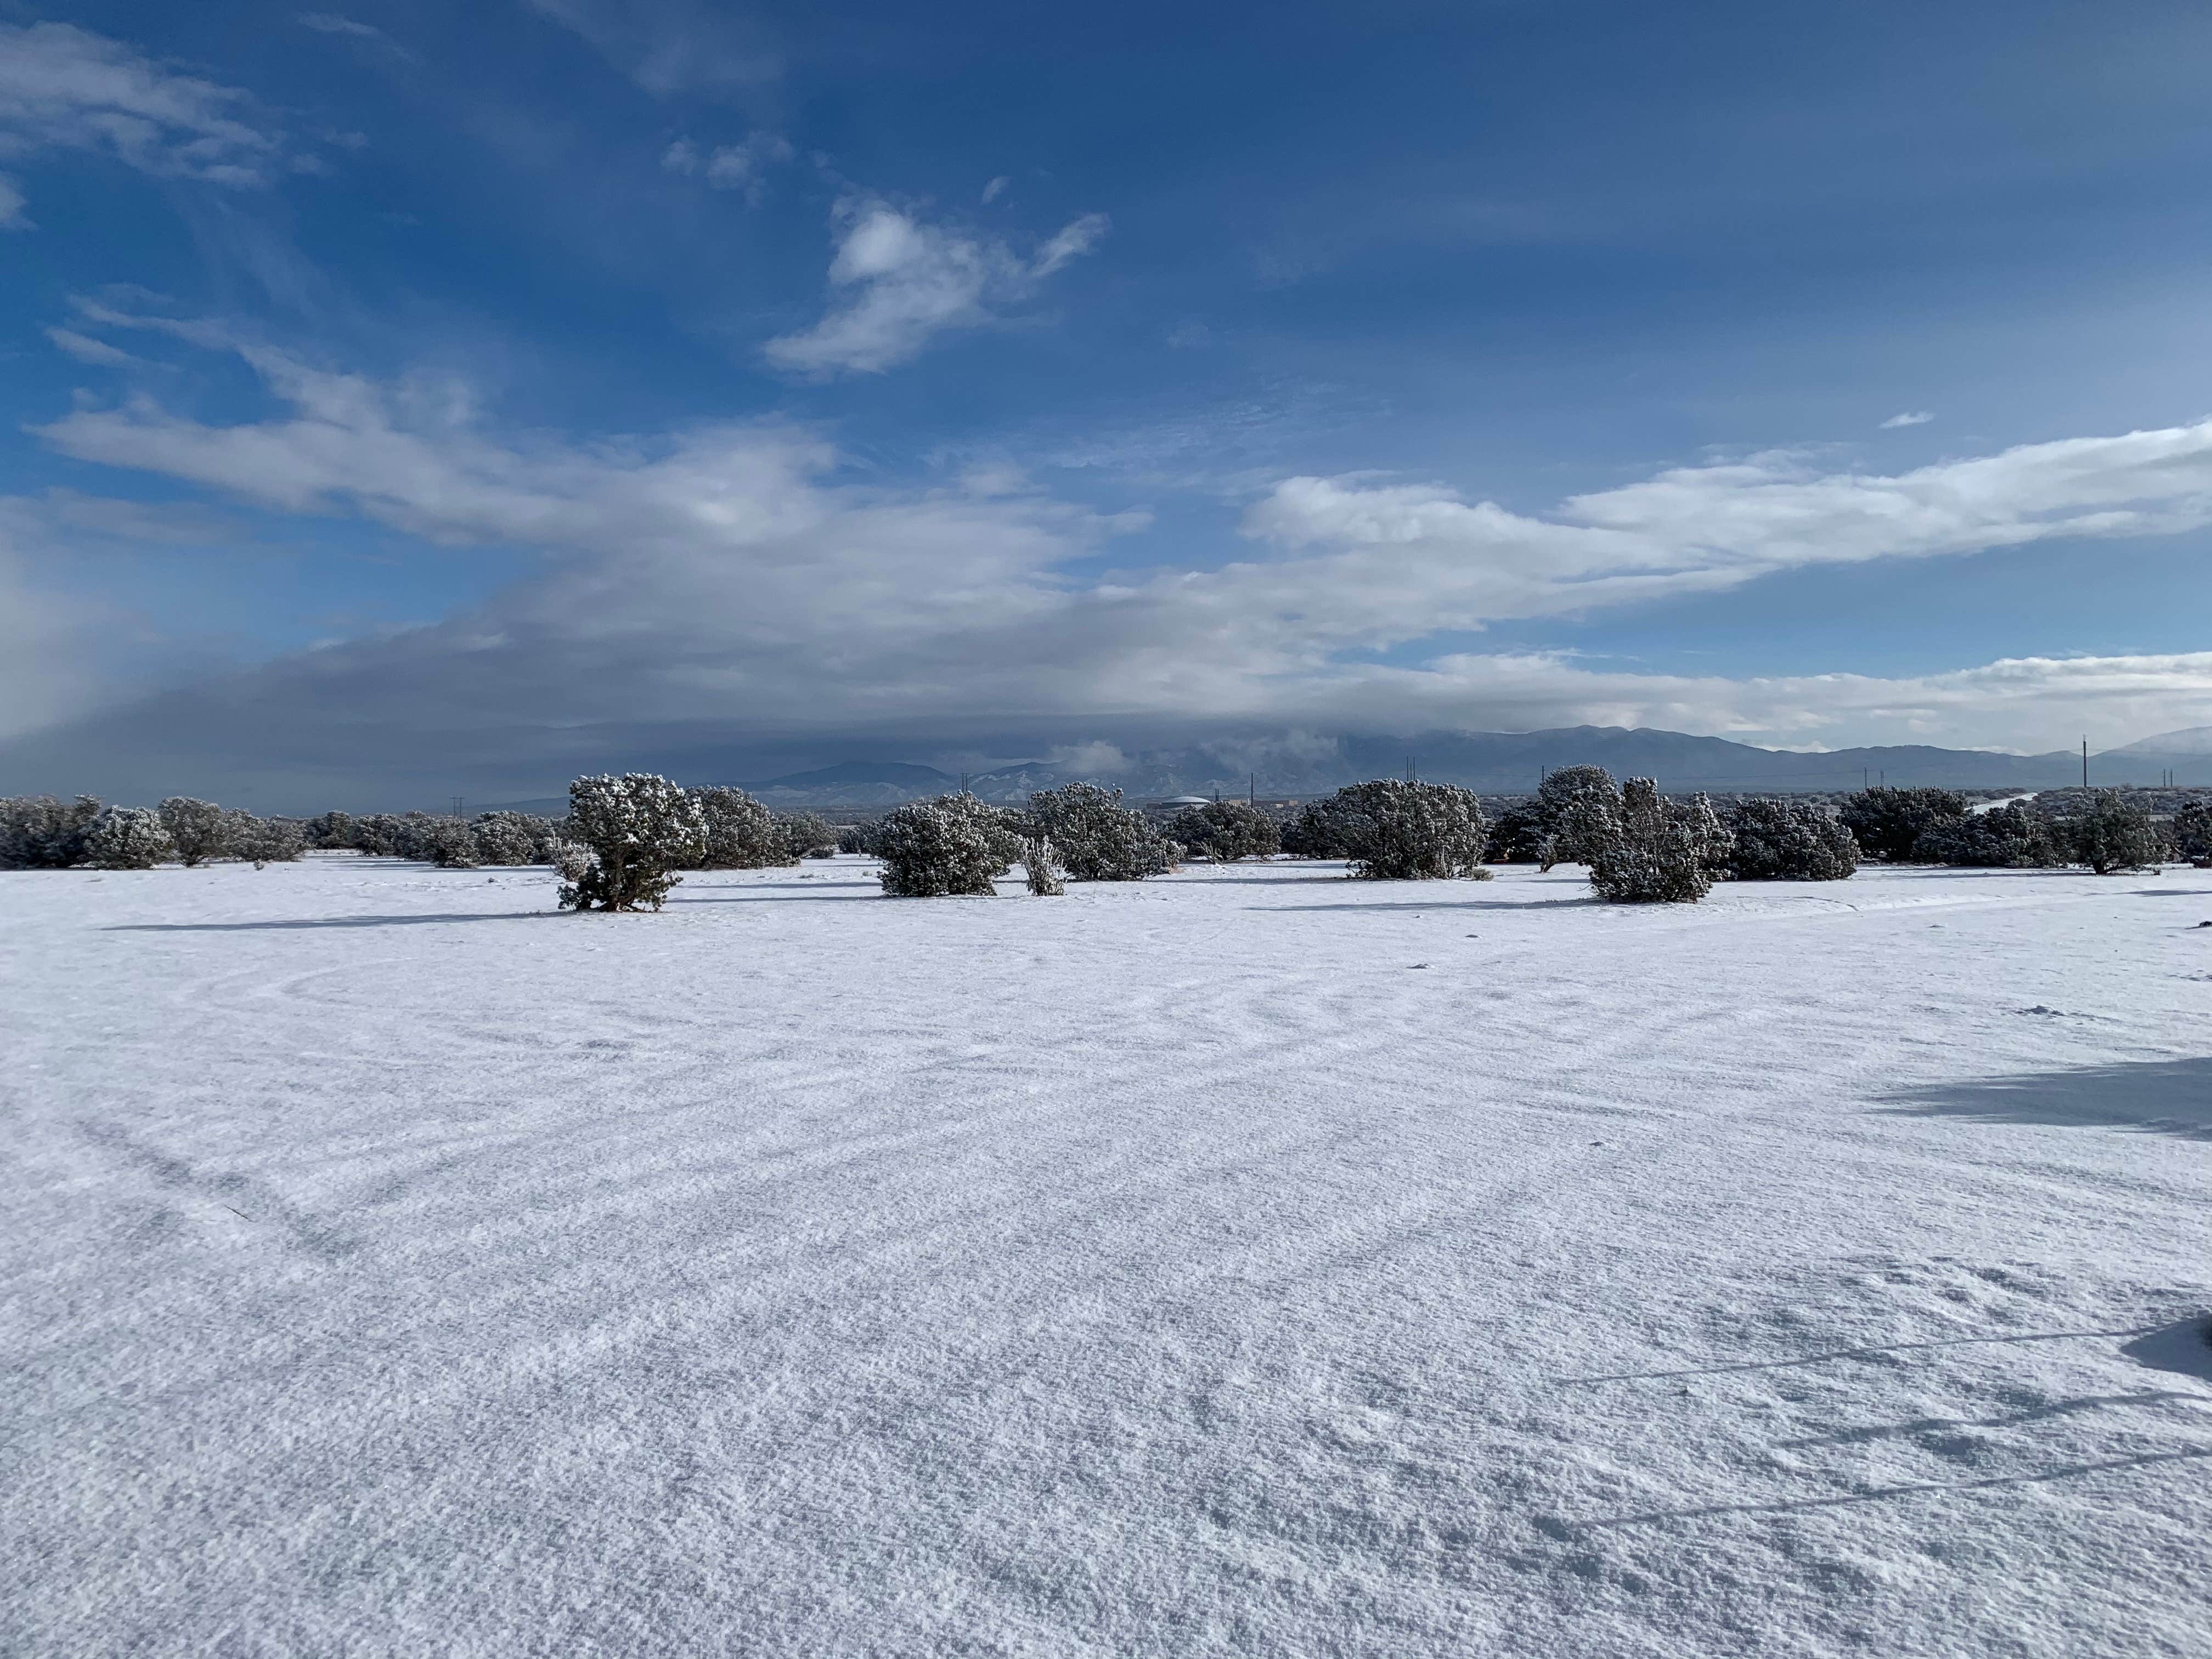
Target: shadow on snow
2165	1096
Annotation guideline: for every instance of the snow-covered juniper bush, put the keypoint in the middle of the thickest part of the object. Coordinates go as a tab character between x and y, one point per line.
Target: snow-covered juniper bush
1226	830
804	835
126	838
198	830
511	838
1575	808
2191	833
949	847
1396	831
37	832
741	833
1787	841
1888	824
2113	834
641	829
454	845
1652	851
2003	838
265	840
1096	837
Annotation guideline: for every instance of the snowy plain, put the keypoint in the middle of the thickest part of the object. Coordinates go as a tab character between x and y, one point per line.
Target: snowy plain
1246	1262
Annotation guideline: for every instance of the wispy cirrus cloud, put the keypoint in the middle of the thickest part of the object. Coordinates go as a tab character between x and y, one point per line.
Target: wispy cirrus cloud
1910	417
898	282
63	88
672	47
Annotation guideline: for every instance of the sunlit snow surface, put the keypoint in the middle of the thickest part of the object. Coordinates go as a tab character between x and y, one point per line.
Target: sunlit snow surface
1252	1260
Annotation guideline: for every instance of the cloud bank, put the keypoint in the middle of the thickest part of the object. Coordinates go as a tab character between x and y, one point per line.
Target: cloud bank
735	585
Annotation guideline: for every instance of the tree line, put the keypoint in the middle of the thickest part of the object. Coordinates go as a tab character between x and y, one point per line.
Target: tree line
627	838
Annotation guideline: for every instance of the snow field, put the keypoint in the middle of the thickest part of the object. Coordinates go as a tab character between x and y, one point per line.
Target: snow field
1248	1261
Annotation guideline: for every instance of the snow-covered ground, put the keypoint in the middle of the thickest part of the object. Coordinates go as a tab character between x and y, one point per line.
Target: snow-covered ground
1250	1260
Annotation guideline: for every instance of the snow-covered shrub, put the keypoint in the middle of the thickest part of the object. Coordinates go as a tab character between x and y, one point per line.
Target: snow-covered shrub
2113	834
939	848
453	845
1097	838
1787	841
640	829
804	835
1576	808
571	860
511	838
126	838
332	832
2191	833
373	834
1226	830
198	830
1888	823
37	832
857	838
2003	838
741	833
1315	832
1516	835
265	840
1654	852
1397	831
1040	868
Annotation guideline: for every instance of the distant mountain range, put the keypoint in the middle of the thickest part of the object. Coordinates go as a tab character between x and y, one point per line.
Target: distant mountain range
1500	763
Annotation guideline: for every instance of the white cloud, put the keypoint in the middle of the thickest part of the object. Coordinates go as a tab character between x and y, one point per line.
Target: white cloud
331	22
87	349
1910	417
995	189
729	167
732	578
904	281
12	216
63	88
671	46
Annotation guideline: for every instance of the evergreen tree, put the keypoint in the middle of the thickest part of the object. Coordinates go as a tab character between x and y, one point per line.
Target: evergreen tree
804	835
1653	852
2192	833
1516	835
2003	838
37	832
126	838
1888	823
1225	831
198	830
1787	841
946	848
454	845
2114	834
1391	831
741	833
1096	837
1575	809
639	829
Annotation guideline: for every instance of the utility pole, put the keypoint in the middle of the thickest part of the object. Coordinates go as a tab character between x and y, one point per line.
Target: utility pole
1251	788
457	806
963	783
2085	763
1866	776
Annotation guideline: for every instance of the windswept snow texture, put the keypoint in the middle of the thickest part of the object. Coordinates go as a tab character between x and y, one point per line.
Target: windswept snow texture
1249	1261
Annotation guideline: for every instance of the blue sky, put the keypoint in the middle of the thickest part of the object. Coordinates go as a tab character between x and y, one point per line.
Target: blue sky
453	396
